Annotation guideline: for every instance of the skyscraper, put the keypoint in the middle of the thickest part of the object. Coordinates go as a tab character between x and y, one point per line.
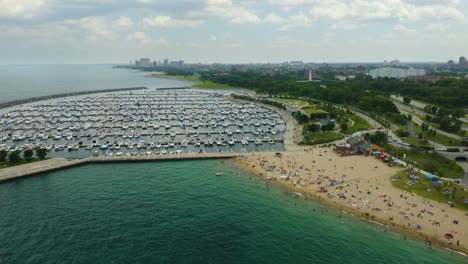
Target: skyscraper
463	63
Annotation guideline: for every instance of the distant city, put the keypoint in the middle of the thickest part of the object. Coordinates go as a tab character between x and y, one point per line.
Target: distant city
388	69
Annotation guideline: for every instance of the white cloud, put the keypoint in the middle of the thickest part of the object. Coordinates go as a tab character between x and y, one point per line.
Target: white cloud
123	22
272	18
237	13
21	8
139	37
167	21
220	37
96	27
295	21
403	29
386	9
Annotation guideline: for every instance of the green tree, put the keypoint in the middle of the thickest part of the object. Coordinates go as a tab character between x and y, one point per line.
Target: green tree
379	138
406	100
14	157
27	154
3	155
344	126
41	153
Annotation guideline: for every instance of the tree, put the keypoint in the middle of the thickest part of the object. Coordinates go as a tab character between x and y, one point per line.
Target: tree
41	153
406	100
27	154
14	157
3	155
420	136
344	126
378	138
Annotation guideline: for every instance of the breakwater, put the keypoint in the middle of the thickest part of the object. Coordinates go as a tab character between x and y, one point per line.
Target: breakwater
26	170
47	97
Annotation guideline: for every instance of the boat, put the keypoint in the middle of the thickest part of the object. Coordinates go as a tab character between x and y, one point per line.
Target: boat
219	173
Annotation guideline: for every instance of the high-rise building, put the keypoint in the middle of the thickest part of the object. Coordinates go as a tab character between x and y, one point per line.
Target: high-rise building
145	63
462	63
166	62
450	65
396	72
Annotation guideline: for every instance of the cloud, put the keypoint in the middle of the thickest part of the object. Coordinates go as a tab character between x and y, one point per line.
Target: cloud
123	22
272	18
139	37
221	37
295	21
237	13
95	26
403	29
386	9
167	21
25	9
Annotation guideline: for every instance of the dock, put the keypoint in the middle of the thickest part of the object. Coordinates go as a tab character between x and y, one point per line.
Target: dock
35	168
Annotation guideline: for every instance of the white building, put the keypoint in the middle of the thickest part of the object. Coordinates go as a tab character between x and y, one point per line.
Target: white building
396	72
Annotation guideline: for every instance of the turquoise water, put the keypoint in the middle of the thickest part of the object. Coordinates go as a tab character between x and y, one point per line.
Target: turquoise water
24	81
180	212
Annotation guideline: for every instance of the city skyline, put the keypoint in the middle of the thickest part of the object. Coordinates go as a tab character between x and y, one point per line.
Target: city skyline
224	31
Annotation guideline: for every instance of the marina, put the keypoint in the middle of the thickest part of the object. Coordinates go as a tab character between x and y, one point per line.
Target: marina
141	123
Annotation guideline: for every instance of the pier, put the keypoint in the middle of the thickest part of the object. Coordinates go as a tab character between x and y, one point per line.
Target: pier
35	168
47	97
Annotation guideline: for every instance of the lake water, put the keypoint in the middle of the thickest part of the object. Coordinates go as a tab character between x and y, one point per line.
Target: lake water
180	212
171	212
24	81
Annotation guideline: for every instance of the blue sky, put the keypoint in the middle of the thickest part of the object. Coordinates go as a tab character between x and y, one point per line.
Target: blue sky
241	31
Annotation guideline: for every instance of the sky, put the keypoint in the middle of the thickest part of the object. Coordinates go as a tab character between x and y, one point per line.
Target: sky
232	31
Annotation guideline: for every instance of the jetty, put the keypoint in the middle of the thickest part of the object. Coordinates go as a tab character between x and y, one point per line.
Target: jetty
53	96
35	168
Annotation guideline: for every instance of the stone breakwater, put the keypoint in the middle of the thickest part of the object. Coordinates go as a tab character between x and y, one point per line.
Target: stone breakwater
47	97
17	172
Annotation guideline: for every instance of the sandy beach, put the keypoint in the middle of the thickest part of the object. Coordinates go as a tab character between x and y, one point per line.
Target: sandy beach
361	186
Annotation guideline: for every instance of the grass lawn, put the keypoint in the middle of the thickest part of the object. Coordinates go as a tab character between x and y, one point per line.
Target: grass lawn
438	138
430	162
427	189
308	110
417	142
360	124
212	85
292	102
320	138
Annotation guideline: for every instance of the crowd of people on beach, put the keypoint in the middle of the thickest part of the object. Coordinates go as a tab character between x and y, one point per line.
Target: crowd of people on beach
360	185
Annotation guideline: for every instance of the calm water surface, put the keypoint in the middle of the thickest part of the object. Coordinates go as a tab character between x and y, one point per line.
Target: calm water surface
180	212
24	81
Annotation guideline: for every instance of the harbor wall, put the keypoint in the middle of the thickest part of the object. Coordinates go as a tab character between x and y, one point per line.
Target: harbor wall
35	168
47	97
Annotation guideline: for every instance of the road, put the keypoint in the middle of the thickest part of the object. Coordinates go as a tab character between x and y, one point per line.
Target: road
410	109
464	180
418	121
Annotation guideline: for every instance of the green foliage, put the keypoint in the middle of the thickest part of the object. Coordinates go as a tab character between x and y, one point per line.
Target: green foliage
27	154
14	157
379	138
402	133
41	153
320	138
344	126
427	189
328	127
406	100
3	155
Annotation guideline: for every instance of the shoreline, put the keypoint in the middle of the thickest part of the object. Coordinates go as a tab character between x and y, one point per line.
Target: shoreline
395	224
